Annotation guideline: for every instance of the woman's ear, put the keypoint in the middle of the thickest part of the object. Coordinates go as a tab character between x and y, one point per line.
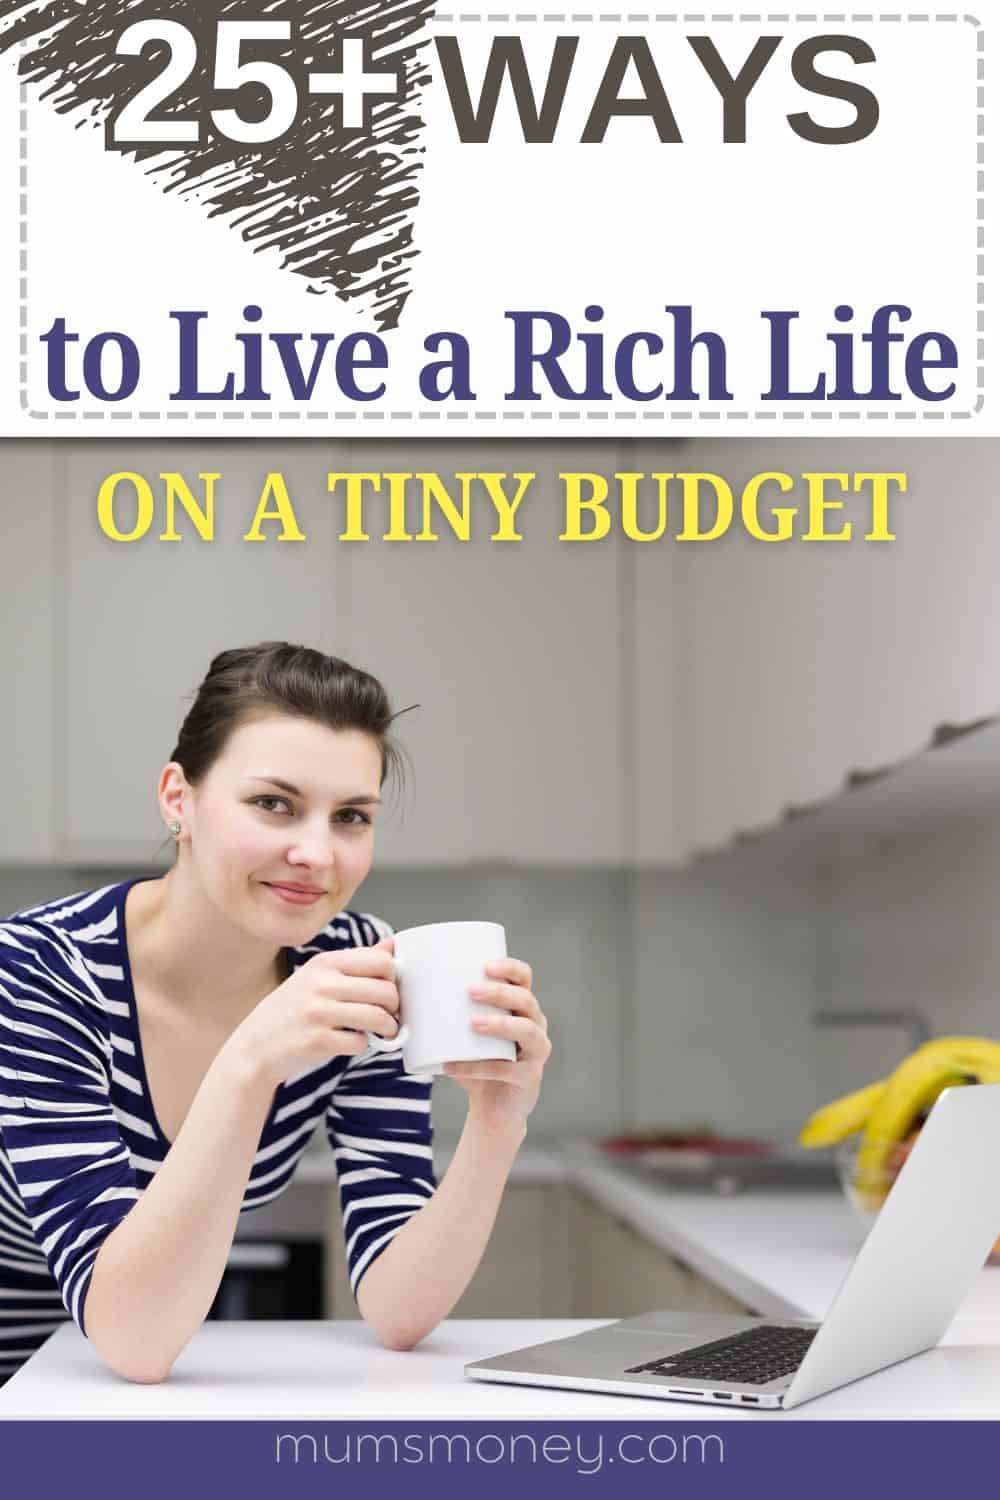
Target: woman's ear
171	792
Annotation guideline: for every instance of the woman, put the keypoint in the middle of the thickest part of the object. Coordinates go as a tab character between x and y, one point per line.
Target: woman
169	1045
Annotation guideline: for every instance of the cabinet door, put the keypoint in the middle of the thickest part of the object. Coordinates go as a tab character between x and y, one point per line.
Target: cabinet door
514	653
619	1273
660	731
510	1279
771	671
519	1276
143	619
707	1297
554	1253
30	643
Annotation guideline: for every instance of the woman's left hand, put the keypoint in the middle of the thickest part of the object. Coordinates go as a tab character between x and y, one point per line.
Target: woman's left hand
503	1093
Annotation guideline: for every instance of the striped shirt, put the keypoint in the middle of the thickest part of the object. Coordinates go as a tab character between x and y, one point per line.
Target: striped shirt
79	1138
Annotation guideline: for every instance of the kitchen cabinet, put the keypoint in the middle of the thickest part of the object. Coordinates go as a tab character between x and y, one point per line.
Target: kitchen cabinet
515	653
32	644
767	672
524	1266
555	1253
599	703
142	620
618	1272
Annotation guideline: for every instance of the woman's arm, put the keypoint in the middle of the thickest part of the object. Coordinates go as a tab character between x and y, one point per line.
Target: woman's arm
422	1272
137	1270
157	1273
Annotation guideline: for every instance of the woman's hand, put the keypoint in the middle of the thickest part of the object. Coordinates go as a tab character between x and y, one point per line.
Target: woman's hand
322	1010
502	1094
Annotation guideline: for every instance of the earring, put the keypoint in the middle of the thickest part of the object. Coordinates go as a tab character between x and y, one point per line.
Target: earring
174	828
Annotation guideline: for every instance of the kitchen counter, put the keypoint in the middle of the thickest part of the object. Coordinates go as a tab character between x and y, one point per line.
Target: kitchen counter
329	1371
783	1252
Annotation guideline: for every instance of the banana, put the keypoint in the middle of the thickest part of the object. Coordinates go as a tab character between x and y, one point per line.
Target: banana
974	1051
888	1111
911	1090
842	1117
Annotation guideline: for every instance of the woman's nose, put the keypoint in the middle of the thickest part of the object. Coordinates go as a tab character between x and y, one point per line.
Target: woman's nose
313	847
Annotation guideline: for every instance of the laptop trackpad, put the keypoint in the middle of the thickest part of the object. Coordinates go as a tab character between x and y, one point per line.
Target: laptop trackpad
616	1346
688	1324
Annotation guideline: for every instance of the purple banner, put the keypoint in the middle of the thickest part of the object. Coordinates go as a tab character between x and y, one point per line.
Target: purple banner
174	1460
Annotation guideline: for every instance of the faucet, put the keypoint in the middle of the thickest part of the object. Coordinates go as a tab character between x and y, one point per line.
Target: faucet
918	1024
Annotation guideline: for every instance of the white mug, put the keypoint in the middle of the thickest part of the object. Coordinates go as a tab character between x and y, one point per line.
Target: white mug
435	967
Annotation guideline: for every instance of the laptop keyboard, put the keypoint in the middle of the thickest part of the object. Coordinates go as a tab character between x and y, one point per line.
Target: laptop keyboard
755	1357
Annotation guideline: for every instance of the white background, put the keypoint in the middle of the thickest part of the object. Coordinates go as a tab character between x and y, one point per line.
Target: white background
631	223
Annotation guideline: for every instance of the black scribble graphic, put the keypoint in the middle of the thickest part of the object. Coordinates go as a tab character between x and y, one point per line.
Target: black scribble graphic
335	204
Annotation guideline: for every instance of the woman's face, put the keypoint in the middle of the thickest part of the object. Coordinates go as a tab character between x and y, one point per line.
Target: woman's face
289	804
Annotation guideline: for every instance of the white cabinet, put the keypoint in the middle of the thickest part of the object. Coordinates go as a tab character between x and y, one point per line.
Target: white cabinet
661	747
31	709
555	1253
524	1271
767	672
618	1273
143	619
515	654
580	703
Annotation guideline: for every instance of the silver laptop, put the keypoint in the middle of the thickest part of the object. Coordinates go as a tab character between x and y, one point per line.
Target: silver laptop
916	1264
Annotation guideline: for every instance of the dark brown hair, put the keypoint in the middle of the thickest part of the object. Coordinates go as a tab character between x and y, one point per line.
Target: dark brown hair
250	682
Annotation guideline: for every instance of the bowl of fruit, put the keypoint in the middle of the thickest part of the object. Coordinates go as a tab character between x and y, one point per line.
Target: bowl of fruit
868	1166
866	1176
875	1128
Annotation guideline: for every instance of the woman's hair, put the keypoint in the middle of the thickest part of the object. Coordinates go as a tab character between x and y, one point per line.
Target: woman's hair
250	682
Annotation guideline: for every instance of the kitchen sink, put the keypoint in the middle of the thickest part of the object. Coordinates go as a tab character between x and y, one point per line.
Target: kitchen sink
785	1169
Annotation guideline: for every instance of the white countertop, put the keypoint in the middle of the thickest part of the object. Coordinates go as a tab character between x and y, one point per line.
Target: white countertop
333	1371
783	1252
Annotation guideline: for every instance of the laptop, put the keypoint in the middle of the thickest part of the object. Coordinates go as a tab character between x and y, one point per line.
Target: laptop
916	1264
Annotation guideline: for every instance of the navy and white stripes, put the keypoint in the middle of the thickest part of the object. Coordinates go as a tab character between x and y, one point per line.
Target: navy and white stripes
79	1139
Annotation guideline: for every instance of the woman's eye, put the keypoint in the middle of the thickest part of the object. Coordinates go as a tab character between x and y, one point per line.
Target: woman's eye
352	816
259	802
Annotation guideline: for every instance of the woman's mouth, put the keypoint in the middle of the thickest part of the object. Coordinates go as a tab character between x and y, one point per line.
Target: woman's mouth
295	896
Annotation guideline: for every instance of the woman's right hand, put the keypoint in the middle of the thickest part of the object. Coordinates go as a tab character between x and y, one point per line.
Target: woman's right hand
320	1011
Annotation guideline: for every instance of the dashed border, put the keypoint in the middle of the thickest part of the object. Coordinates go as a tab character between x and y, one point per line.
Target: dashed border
616	417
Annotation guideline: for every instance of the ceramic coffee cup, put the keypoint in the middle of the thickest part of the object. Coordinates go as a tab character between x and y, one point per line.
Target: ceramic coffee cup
435	967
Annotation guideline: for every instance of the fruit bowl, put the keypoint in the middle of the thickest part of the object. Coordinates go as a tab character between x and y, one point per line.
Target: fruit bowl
866	1188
